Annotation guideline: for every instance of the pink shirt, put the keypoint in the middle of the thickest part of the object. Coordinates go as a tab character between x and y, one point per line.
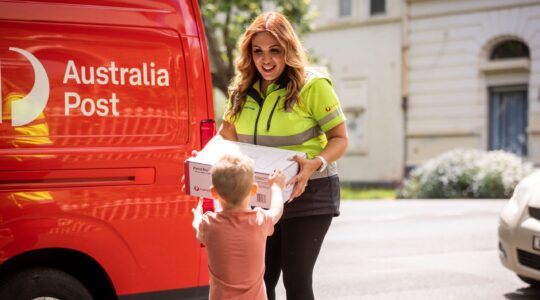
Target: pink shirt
236	242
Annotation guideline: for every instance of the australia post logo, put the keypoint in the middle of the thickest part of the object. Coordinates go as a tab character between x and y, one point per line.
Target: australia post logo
28	108
25	110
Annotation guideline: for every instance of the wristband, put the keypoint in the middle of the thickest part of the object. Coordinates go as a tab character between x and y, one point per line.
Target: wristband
323	165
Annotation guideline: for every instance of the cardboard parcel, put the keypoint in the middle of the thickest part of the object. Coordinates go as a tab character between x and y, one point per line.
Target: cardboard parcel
267	159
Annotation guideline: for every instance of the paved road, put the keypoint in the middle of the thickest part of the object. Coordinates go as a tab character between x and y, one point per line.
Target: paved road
427	249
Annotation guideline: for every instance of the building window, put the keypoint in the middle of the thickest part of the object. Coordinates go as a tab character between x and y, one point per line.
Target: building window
510	49
508	105
345	8
508	119
377	7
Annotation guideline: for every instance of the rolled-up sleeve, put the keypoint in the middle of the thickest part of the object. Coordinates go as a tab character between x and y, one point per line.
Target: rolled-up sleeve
324	104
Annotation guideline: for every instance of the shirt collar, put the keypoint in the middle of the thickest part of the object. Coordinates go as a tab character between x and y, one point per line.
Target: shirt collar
274	86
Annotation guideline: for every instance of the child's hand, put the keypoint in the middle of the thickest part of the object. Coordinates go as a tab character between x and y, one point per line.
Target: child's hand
197	219
198	210
278	178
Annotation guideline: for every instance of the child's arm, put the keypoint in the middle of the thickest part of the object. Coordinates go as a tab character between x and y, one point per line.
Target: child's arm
276	182
197	218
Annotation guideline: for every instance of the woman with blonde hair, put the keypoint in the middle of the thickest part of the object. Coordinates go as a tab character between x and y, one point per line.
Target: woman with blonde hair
274	100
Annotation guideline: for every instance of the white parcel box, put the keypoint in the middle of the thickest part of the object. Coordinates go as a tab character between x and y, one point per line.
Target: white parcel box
267	159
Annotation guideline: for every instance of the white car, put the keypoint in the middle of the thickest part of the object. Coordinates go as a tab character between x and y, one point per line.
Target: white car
519	230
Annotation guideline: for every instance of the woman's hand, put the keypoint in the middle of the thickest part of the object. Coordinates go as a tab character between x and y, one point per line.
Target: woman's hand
336	147
307	167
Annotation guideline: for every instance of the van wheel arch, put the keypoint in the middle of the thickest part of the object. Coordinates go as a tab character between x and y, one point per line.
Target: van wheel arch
80	266
40	282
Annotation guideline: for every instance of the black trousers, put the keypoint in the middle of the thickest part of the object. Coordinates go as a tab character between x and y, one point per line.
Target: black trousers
293	249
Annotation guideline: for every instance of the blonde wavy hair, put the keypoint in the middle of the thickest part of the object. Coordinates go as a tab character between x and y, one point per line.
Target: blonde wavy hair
246	73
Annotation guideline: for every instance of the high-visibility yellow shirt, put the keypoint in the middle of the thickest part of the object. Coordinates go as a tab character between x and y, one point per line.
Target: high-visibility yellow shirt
264	119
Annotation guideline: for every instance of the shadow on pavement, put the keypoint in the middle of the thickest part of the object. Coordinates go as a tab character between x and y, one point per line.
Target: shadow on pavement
528	293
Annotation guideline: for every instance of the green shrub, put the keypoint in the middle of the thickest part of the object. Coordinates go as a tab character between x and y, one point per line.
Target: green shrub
466	173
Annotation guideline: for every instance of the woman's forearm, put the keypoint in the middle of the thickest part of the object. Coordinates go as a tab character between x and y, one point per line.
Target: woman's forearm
338	141
336	147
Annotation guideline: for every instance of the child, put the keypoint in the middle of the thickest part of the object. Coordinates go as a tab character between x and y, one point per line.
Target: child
235	238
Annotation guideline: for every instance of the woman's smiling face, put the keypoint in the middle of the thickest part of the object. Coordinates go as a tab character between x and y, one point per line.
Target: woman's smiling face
268	56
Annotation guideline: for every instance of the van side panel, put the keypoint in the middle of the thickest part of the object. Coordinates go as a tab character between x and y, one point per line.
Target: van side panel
178	15
109	86
98	169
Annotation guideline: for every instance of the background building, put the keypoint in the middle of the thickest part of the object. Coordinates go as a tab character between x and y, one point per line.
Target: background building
420	77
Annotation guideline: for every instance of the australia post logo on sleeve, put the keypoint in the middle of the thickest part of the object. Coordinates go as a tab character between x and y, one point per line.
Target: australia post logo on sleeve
29	107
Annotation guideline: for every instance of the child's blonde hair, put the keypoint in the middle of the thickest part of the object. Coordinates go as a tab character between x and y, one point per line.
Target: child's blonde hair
232	177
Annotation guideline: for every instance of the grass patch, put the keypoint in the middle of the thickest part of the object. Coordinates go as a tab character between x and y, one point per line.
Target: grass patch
367	193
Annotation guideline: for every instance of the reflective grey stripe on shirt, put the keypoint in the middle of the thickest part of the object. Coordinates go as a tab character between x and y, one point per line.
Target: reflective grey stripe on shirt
330	117
279	141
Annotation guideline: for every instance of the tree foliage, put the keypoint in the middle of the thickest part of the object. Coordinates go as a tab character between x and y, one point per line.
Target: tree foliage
226	20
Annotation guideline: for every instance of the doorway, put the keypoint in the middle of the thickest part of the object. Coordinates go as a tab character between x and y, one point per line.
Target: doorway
508	119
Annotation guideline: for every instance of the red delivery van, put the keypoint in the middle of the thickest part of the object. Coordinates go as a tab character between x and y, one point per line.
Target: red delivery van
102	101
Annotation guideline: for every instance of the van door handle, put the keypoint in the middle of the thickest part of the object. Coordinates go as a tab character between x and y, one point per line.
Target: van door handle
76	177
